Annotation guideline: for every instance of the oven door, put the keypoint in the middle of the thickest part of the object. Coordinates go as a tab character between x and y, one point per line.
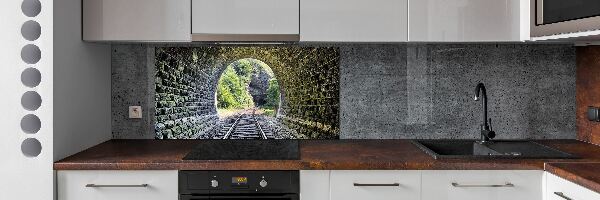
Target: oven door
240	197
552	17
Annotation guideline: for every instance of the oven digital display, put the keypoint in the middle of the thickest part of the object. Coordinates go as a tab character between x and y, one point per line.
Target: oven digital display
239	180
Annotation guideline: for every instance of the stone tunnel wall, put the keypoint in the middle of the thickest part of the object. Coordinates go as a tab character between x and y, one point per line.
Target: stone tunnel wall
185	93
311	92
186	80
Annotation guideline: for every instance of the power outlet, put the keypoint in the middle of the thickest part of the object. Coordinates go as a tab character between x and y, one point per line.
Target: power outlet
135	112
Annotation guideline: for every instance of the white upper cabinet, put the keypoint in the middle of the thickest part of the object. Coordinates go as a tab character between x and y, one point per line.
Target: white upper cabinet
136	20
245	20
353	20
468	20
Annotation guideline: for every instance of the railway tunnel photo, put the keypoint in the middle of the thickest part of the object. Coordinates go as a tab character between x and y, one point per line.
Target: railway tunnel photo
247	101
247	93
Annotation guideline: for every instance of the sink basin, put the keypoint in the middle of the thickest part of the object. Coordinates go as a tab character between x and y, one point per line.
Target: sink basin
496	149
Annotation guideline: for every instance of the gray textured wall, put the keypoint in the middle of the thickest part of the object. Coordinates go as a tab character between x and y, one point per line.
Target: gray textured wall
132	85
412	91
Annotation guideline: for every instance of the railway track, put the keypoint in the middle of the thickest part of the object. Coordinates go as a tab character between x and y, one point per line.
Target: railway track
245	126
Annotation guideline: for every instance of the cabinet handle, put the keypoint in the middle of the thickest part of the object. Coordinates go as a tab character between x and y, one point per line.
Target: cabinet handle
115	186
560	194
376	184
493	185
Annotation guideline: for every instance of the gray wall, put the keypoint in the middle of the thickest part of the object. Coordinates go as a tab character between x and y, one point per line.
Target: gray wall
132	85
81	85
411	91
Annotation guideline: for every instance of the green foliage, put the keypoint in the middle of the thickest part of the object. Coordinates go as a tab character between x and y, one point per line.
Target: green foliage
244	69
272	94
231	91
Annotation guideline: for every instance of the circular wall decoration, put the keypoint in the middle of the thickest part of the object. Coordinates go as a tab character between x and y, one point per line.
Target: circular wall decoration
31	147
31	8
31	30
31	77
31	100
31	54
31	124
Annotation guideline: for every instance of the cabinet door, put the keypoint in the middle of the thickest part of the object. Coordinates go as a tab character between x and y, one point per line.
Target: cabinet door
482	184
560	189
232	17
136	20
353	20
468	20
375	185
314	185
117	185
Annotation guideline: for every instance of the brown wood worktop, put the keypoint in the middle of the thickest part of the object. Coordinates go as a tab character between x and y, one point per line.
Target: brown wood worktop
584	174
315	154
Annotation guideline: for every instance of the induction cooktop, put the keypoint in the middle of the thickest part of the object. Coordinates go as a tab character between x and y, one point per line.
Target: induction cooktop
245	150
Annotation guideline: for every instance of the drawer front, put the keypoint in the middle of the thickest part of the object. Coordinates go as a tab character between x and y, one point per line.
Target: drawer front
560	189
482	184
117	185
375	185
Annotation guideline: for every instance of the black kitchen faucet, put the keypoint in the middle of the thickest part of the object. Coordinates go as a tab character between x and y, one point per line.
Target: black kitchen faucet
486	129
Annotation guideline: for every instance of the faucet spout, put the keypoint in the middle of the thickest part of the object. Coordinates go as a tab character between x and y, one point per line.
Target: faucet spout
480	94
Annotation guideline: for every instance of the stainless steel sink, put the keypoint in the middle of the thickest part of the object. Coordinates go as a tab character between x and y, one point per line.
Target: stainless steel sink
495	149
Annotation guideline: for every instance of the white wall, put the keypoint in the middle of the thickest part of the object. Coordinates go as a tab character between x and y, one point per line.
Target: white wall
24	177
82	89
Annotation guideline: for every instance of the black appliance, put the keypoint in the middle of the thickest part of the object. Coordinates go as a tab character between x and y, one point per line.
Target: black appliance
237	185
554	11
551	17
245	150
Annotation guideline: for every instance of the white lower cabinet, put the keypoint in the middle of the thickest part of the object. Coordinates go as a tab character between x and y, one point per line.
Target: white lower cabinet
560	189
482	185
422	185
375	185
117	185
341	185
314	184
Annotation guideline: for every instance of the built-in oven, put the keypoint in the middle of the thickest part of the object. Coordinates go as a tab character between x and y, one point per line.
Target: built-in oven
552	17
238	185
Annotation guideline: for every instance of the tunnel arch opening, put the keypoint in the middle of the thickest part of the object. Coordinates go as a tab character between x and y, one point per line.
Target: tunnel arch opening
247	85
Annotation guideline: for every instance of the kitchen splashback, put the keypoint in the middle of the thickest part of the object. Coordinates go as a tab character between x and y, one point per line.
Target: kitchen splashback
401	91
246	92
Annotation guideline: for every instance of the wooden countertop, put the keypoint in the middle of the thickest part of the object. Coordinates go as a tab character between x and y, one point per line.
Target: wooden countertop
315	154
331	155
584	174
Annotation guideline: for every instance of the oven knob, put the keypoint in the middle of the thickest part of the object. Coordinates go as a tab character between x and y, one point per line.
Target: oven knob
263	183
214	183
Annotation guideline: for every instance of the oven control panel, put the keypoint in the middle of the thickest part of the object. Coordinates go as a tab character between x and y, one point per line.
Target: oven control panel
229	182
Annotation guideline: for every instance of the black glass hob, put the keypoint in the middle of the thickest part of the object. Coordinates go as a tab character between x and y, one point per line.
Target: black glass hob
245	150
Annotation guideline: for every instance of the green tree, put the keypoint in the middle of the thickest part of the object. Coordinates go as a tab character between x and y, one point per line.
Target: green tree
245	69
272	94
231	91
